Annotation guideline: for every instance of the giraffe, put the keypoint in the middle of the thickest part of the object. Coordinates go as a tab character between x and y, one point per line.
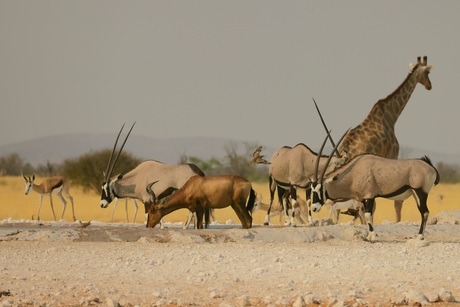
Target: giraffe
376	133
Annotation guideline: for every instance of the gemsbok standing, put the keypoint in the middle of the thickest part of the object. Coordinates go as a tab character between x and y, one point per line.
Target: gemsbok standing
291	168
134	183
48	187
367	177
207	192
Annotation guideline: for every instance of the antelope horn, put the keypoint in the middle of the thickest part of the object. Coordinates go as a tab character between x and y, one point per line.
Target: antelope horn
106	172
148	188
419	60
330	156
325	127
319	156
425	60
110	168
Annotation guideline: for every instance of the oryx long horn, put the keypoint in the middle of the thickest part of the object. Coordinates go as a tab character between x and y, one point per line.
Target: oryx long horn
110	166
325	127
332	153
106	173
121	148
319	156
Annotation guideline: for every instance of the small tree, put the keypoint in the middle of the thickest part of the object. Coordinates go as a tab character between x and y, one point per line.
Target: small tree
448	173
88	169
11	165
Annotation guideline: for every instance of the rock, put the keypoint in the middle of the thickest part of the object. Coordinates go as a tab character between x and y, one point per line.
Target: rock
446	296
111	303
413	297
299	302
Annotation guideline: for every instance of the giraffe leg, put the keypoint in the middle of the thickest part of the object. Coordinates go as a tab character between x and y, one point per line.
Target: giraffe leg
398	208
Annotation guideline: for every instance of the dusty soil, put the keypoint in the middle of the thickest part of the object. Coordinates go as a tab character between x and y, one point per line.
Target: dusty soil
107	264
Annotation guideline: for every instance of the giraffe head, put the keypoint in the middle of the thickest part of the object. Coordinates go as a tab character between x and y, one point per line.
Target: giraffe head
423	70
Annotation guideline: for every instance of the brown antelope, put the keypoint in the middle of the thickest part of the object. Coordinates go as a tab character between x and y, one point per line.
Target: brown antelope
49	186
211	192
367	177
133	184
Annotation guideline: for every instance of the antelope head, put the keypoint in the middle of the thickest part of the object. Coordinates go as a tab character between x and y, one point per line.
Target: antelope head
107	194
29	183
154	214
425	71
317	196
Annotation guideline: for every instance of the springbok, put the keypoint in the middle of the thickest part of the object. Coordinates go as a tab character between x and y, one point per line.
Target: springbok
50	185
126	208
211	192
351	206
134	183
290	169
366	177
301	210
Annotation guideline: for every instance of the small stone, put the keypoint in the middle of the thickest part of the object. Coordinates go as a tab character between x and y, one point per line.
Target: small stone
111	303
299	302
446	296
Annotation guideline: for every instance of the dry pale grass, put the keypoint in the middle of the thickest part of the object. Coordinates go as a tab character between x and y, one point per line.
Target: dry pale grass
14	204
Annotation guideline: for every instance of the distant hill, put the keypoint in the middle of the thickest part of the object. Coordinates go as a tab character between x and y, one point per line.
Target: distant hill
58	148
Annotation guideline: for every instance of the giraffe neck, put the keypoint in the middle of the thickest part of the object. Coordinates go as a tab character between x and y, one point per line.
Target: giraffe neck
390	108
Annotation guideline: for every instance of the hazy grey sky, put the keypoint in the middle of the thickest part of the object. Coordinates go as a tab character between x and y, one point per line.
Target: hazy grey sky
239	69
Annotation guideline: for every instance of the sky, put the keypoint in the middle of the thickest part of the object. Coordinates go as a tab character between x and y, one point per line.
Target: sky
245	70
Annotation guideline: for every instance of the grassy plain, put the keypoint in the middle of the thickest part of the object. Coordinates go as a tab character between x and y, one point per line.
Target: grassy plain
15	205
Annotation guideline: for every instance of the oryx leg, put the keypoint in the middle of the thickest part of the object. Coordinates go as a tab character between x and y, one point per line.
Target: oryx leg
135	212
291	212
191	215
421	199
272	187
307	197
126	210
360	208
398	207
114	207
369	209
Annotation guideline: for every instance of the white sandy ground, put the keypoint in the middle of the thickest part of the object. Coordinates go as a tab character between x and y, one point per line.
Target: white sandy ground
105	264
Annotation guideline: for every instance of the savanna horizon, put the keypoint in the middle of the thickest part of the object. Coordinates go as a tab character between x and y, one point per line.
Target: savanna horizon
16	205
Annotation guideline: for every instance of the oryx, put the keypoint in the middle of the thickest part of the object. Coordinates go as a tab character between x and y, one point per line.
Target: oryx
134	183
291	168
368	176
